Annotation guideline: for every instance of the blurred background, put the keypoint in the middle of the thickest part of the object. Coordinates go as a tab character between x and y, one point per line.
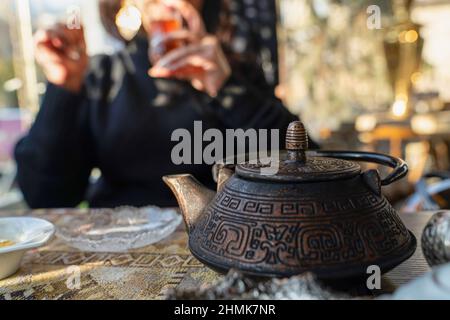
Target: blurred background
363	75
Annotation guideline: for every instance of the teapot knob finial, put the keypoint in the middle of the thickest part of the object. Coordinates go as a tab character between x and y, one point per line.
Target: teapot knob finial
296	141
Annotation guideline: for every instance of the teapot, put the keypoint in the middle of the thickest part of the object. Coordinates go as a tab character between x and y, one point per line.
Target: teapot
318	213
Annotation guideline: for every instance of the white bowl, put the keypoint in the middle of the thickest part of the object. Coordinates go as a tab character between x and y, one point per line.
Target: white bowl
26	233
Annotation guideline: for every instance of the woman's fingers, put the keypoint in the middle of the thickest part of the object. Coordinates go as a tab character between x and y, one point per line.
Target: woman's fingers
51	51
61	53
206	48
188	68
68	42
47	54
48	38
47	57
197	61
68	36
180	53
195	74
41	36
72	40
199	74
203	64
78	34
196	69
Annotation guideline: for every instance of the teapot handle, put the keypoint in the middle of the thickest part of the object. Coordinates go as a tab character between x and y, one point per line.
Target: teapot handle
400	167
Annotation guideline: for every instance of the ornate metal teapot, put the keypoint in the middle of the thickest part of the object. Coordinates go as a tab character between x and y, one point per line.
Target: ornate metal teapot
319	213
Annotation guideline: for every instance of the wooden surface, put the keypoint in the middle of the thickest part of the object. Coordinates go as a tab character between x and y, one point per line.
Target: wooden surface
51	271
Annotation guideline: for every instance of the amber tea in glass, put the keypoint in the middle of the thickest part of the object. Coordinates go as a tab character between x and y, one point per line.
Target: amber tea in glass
161	20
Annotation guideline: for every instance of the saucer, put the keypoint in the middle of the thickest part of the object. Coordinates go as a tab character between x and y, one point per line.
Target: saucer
19	235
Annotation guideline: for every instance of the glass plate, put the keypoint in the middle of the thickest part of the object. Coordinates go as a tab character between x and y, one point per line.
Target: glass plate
116	230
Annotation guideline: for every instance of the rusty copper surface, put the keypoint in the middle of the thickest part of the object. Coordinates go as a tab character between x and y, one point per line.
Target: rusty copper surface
192	197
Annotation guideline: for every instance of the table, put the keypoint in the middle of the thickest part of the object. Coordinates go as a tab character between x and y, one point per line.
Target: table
57	271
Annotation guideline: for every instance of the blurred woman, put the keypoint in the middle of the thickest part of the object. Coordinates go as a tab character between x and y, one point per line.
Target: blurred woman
117	113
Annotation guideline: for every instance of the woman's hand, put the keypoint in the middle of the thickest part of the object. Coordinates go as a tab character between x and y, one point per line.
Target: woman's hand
202	61
61	53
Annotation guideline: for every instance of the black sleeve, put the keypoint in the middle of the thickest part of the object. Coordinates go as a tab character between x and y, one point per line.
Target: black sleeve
54	160
247	101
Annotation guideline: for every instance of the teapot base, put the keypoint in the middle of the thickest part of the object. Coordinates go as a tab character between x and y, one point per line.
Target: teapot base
345	272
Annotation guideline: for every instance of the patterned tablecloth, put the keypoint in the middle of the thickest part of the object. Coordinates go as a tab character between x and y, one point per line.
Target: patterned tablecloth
51	272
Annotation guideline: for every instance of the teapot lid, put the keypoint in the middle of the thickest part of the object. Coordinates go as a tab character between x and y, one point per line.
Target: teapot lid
297	165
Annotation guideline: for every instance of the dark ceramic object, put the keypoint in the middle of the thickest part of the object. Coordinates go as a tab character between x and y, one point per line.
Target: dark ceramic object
319	213
436	239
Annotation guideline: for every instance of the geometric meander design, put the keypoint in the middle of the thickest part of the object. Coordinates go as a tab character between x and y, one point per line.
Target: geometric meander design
287	234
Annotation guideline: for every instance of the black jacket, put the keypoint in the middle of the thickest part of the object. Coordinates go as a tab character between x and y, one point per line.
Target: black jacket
122	123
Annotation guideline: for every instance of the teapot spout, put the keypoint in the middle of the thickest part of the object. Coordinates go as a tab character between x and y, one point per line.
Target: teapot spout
192	196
